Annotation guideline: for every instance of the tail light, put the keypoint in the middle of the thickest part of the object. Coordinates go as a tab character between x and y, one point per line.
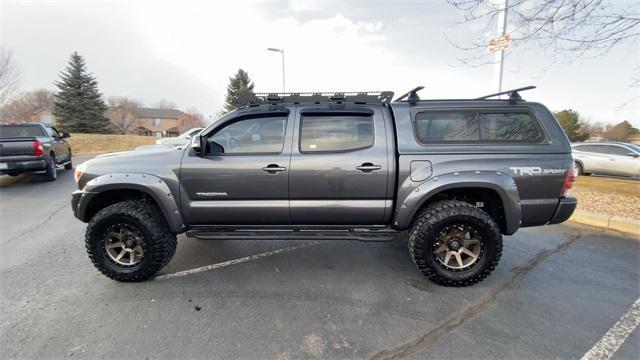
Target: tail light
568	183
37	148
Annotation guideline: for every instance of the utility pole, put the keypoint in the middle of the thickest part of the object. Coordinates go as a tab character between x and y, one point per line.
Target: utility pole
281	51
500	43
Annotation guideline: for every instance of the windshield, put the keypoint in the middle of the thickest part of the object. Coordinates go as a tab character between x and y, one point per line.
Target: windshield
18	131
633	147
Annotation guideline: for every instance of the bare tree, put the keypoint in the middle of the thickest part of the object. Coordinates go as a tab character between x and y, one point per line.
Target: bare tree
165	104
21	107
576	28
190	119
8	75
122	113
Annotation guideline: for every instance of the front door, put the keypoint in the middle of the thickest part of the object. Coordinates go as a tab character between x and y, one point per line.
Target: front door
620	162
339	168
242	177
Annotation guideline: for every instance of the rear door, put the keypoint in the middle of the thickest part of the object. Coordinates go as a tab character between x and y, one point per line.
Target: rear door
595	157
339	167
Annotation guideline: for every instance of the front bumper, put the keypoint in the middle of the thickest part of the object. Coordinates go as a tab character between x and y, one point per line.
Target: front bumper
565	209
79	201
22	166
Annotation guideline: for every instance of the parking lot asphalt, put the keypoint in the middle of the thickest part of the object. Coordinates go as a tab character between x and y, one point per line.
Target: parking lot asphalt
556	292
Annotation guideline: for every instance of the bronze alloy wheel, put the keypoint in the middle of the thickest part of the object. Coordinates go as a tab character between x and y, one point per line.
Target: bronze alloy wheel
123	244
458	247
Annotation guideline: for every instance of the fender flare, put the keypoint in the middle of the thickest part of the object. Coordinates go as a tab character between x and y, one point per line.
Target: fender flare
151	185
419	193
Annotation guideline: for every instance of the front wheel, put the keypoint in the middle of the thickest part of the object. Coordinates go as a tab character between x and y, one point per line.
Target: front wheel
129	241
69	165
454	243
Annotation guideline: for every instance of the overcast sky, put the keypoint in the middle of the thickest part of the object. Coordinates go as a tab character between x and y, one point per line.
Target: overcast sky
185	51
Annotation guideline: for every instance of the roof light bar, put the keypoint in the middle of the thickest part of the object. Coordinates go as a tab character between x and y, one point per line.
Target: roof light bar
368	97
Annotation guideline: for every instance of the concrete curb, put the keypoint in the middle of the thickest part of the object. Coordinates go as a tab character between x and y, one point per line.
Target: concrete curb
610	222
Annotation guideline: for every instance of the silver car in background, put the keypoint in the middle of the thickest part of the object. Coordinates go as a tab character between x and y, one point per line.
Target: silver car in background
182	139
608	157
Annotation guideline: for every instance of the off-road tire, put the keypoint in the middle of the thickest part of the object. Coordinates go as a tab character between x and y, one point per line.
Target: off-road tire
51	173
424	232
69	165
159	242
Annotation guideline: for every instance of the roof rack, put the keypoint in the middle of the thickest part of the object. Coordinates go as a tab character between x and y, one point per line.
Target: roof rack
411	95
364	97
513	94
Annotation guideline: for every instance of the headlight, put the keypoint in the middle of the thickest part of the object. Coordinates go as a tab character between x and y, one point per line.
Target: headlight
77	174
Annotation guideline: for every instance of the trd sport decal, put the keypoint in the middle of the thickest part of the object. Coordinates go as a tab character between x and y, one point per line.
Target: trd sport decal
536	170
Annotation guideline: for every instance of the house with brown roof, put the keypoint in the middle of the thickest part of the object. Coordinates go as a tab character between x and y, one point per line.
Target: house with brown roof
157	122
147	121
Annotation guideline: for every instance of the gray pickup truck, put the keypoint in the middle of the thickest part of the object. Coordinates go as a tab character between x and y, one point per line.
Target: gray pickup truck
455	174
28	147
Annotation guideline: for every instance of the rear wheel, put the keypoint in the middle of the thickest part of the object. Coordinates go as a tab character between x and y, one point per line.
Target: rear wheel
51	173
454	243
129	241
580	169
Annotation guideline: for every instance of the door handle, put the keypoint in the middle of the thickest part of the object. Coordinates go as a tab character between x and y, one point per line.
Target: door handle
273	168
368	167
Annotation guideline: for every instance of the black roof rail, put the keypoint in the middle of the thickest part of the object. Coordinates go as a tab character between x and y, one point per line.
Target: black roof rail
513	94
364	97
411	95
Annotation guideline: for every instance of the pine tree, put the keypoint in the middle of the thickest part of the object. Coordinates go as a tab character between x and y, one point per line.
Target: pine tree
79	106
238	84
572	124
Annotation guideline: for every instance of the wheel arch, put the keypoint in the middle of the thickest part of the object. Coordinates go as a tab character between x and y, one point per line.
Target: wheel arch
471	187
110	189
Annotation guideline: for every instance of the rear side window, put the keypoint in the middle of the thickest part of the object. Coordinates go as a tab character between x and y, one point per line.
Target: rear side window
599	149
476	127
18	131
334	133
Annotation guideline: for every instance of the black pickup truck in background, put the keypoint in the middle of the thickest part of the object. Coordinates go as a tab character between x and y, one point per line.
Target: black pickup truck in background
30	147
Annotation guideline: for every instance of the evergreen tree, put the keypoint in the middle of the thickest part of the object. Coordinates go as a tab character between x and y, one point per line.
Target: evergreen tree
572	124
238	84
79	106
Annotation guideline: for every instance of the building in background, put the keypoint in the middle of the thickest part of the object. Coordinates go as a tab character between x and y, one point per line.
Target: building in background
157	122
45	116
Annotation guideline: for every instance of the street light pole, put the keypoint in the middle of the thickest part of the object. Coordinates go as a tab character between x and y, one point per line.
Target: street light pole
281	51
502	35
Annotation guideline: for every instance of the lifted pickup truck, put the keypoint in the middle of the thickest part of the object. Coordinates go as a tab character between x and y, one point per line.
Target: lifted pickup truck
455	174
29	147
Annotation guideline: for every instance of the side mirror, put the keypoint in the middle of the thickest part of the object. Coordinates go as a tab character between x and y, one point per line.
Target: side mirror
65	135
196	144
188	137
215	148
632	154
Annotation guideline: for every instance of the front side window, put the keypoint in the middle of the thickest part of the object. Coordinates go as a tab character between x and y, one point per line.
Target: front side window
475	127
334	133
617	150
251	136
52	132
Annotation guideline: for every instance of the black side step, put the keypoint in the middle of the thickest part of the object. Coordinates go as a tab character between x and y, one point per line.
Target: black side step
366	235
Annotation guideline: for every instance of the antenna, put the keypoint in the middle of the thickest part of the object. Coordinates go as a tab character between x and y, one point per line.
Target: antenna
513	94
412	95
